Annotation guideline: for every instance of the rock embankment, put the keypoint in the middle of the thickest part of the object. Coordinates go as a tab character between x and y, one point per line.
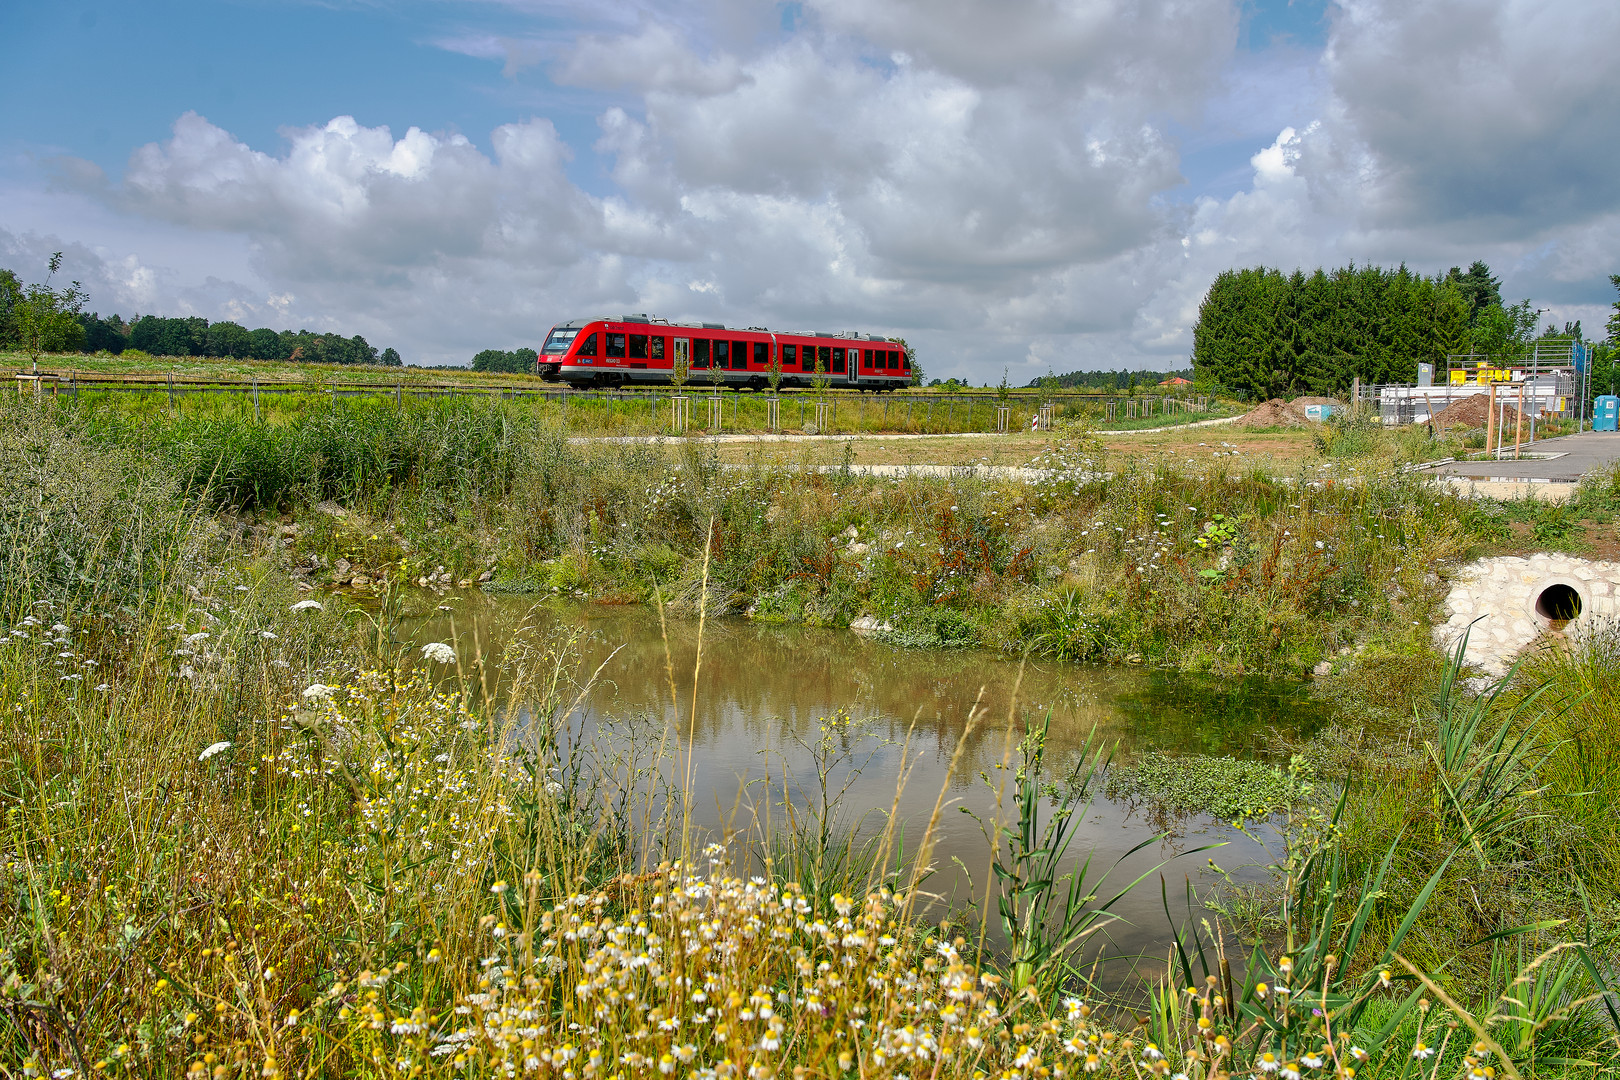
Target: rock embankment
1511	601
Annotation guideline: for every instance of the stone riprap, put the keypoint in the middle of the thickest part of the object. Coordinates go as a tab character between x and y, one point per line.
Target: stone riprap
1499	596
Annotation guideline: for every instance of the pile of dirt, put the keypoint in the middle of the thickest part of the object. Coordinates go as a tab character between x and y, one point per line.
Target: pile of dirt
1472	412
1280	413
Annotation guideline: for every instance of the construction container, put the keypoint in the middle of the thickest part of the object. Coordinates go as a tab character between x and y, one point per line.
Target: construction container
1606	413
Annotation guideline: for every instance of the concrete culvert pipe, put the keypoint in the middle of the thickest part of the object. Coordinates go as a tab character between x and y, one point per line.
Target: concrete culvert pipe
1558	604
1506	602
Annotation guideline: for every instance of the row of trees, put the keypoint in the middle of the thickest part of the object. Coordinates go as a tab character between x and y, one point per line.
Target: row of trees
1270	334
40	319
193	336
1121	381
518	361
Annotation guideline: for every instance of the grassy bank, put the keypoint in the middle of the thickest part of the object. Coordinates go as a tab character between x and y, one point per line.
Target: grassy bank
247	832
1206	568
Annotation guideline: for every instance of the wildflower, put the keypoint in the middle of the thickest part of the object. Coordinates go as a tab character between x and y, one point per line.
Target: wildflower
439	652
317	692
1289	1071
1383	978
307	605
1313	1060
1268	1062
1260	991
268	635
1359	1054
1422	1051
216	748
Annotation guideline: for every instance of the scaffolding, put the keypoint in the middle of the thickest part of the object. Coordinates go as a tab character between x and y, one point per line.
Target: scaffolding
1554	376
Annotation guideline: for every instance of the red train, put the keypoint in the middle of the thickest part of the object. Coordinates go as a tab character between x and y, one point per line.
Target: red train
641	350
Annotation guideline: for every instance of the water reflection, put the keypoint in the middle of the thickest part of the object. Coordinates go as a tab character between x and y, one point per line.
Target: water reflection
762	689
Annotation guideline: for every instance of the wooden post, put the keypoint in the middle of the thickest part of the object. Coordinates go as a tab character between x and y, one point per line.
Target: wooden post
1518	426
1355	396
258	417
1490	419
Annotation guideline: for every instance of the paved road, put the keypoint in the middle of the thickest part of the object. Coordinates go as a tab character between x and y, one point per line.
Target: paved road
1578	455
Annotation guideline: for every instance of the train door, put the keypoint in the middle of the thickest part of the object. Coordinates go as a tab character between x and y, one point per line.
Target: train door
854	365
682	356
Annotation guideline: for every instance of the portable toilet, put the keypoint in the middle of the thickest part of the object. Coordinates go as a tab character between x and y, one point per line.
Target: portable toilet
1606	413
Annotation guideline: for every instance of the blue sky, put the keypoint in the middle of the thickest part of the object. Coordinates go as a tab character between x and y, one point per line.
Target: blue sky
1029	183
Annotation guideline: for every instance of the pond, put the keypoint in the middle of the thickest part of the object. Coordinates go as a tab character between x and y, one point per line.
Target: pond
762	693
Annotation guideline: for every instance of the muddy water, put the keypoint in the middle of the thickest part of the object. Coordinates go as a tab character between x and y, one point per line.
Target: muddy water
762	690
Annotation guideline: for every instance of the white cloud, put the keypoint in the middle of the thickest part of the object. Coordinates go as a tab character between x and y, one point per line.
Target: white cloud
656	59
991	180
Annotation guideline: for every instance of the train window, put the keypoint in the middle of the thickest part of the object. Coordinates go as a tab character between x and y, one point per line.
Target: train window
838	360
825	356
739	355
722	354
557	342
762	353
655	348
638	346
615	345
700	352
866	361
882	359
790	356
587	347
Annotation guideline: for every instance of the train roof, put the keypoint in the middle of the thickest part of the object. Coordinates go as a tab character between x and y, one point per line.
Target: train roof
654	320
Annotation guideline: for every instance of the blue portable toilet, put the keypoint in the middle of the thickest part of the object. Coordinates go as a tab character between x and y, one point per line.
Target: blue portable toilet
1606	413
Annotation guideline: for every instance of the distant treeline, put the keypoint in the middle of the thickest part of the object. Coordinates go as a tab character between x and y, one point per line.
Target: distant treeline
1111	380
77	331
1271	334
518	361
198	337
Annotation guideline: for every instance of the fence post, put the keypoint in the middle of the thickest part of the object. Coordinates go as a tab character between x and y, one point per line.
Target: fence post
258	417
1001	419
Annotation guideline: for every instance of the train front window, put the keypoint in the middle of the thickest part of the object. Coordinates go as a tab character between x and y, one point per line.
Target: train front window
557	342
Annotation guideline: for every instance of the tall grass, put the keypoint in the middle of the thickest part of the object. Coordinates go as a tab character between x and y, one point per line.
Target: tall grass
1212	570
245	835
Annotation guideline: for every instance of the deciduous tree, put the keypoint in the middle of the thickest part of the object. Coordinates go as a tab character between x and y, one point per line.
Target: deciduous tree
48	319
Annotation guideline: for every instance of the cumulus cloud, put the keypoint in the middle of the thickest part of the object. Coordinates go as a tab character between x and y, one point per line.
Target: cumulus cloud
998	182
1476	116
657	59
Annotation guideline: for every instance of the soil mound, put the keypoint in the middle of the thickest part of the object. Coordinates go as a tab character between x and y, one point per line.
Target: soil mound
1472	412
1280	413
